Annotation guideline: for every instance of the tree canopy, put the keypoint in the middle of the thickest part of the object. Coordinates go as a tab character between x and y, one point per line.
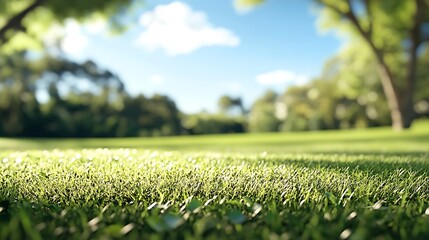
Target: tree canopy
23	23
378	78
394	31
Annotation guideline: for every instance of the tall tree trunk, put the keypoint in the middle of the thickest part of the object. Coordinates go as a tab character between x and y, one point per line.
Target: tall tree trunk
400	106
398	110
407	107
392	96
415	40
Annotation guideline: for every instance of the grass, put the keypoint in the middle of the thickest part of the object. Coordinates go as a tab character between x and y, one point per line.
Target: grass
362	184
371	140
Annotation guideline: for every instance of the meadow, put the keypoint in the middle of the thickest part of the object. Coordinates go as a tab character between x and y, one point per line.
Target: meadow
355	184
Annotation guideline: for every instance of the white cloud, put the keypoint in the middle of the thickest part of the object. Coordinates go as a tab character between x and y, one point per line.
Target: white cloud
280	77
156	80
177	29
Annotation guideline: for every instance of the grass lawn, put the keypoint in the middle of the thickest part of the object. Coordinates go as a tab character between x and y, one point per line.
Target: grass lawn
360	184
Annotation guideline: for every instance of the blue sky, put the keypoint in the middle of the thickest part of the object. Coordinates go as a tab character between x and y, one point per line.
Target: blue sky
195	51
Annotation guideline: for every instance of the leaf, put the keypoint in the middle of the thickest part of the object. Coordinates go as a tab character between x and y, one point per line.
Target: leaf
172	221
248	201
256	209
236	217
377	205
193	205
27	225
331	198
152	206
165	222
248	3
113	230
155	223
205	224
127	228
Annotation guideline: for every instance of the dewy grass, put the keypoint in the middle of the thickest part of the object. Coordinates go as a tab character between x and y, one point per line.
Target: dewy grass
260	188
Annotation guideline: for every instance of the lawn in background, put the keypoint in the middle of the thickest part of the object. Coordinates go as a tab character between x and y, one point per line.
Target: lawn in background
357	184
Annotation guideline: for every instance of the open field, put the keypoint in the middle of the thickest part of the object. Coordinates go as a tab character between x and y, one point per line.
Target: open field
366	184
364	140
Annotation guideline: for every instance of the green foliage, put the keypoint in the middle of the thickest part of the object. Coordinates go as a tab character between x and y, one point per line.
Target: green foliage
389	21
357	140
373	190
228	104
348	94
205	123
28	33
422	93
101	109
248	3
394	31
262	116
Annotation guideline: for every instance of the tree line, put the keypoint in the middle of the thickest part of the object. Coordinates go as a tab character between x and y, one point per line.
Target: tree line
42	98
381	78
348	94
54	97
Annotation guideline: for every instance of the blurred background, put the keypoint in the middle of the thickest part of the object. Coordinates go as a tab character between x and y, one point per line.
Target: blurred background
120	68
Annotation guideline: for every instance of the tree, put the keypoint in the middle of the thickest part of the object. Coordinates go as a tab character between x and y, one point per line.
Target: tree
392	30
262	117
22	79
100	108
30	19
205	123
358	92
422	94
227	104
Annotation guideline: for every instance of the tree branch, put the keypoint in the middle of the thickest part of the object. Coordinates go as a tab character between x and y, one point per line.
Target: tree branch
386	76
332	7
16	21
422	8
369	13
350	15
415	40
